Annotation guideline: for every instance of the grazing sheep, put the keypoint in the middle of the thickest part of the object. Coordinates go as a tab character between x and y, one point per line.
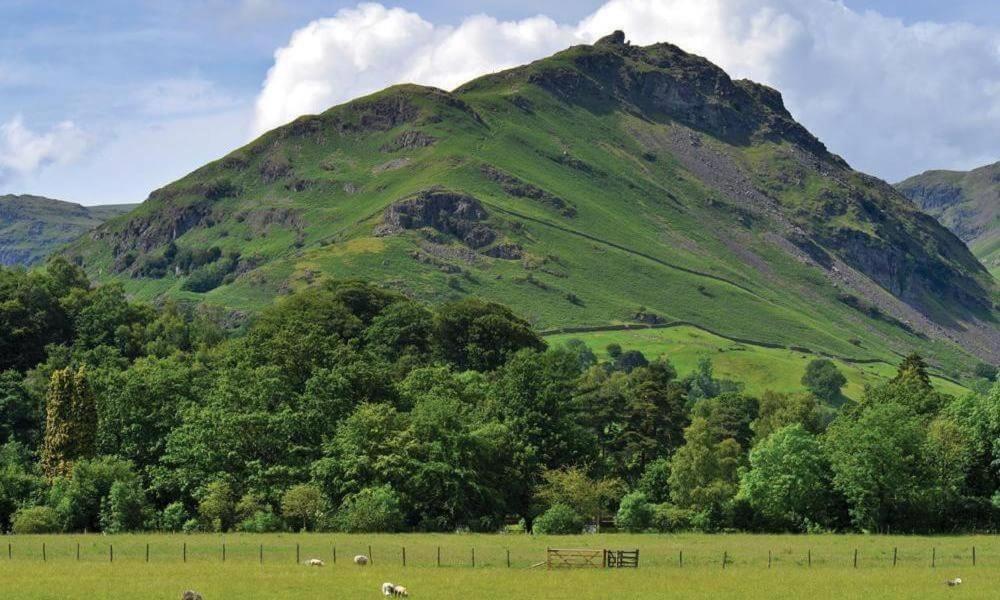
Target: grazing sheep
361	560
191	595
315	562
954	582
387	588
398	590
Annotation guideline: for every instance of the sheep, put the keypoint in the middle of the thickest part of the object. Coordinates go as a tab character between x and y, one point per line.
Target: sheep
954	582
361	560
191	595
398	590
315	562
387	588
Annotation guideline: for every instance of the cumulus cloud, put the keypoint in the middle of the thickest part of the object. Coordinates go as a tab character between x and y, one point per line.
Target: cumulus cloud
892	98
23	151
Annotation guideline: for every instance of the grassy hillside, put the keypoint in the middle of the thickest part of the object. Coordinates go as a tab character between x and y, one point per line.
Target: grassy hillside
966	202
31	227
603	185
758	367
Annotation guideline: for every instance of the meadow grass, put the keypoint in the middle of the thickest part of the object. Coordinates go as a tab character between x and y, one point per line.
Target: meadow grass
759	368
746	574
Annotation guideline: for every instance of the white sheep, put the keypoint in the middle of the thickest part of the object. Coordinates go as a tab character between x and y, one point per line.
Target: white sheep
315	562
361	560
387	588
954	582
398	590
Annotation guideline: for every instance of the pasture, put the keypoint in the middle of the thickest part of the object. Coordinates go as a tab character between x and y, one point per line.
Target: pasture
671	566
760	368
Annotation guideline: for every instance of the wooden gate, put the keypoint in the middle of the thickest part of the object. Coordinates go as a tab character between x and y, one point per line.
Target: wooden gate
562	558
621	559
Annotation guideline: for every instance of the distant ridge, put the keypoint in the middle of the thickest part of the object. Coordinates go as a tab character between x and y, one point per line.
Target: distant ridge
32	227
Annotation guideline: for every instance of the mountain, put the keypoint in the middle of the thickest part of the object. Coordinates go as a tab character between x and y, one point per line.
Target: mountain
31	227
966	202
605	185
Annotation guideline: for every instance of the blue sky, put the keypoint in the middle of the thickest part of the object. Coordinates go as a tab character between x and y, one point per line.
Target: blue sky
104	101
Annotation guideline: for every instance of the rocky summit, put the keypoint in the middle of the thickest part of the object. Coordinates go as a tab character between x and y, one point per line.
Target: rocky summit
604	182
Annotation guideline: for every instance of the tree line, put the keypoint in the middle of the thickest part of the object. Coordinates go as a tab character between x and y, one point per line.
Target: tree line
349	407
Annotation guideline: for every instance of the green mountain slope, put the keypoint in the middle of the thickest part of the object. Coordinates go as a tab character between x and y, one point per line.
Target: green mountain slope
966	202
605	184
31	227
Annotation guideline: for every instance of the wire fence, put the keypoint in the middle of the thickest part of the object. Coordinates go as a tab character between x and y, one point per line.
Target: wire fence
454	554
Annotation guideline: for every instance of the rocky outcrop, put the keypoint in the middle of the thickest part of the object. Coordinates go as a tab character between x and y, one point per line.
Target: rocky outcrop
450	213
409	140
522	189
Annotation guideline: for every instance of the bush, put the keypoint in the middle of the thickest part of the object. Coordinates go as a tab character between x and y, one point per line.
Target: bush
655	481
36	519
173	517
262	521
669	518
635	513
558	520
191	526
372	510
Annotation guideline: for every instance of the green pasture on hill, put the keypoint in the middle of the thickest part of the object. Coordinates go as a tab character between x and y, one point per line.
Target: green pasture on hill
923	564
759	367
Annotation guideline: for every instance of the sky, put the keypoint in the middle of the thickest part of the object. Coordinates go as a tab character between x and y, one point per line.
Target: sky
105	101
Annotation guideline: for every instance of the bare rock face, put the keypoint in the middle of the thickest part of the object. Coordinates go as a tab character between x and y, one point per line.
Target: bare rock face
409	140
451	213
522	189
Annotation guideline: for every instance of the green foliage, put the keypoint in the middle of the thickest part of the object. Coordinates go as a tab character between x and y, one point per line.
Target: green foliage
789	478
823	379
704	471
668	518
70	423
571	487
303	505
635	513
173	517
559	519
371	510
481	336
124	508
36	519
655	481
217	506
83	497
780	410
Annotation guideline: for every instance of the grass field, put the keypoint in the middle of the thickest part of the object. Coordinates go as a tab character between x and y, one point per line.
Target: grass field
24	573
758	367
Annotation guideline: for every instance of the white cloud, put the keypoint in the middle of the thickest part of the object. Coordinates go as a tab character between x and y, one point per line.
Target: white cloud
23	151
892	98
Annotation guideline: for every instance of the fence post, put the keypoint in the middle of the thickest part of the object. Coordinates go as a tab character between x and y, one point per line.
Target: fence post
404	556
78	551
768	559
894	556
809	556
973	556
185	551
855	558
725	557
147	552
10	552
371	558
261	550
933	557
223	553
334	555
111	552
439	556
680	558
473	557
296	553
43	551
